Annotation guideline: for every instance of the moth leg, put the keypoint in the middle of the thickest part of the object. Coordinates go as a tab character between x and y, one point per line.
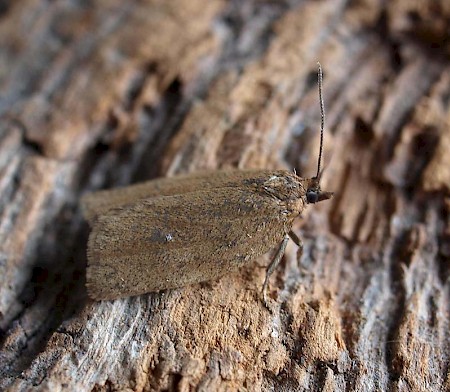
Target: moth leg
272	266
297	241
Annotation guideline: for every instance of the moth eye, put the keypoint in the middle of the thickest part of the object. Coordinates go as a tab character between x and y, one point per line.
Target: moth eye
312	196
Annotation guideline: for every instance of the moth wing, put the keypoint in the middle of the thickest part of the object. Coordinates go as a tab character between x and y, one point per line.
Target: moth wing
172	241
97	203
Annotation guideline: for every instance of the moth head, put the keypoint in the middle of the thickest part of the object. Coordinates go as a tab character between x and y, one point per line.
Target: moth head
314	194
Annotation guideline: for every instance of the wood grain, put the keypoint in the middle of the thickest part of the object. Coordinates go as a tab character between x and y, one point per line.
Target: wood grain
96	96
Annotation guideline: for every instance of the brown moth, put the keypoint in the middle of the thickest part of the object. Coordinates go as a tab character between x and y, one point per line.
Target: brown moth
173	232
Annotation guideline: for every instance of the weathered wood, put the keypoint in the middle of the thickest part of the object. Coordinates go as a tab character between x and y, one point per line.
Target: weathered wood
96	96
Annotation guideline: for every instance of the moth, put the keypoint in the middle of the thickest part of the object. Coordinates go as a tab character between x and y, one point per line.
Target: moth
172	232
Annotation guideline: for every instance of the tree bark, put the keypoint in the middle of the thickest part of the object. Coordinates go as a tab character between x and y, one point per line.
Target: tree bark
107	94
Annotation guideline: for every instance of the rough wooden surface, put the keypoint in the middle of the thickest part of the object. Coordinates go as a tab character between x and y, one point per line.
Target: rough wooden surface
96	96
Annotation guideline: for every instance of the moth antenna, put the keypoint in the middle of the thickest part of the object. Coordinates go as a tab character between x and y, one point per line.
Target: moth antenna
322	120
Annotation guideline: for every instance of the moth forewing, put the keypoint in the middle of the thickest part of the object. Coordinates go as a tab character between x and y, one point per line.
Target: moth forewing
171	241
97	203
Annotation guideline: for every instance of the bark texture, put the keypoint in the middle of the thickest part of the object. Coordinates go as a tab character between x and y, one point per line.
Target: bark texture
101	94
